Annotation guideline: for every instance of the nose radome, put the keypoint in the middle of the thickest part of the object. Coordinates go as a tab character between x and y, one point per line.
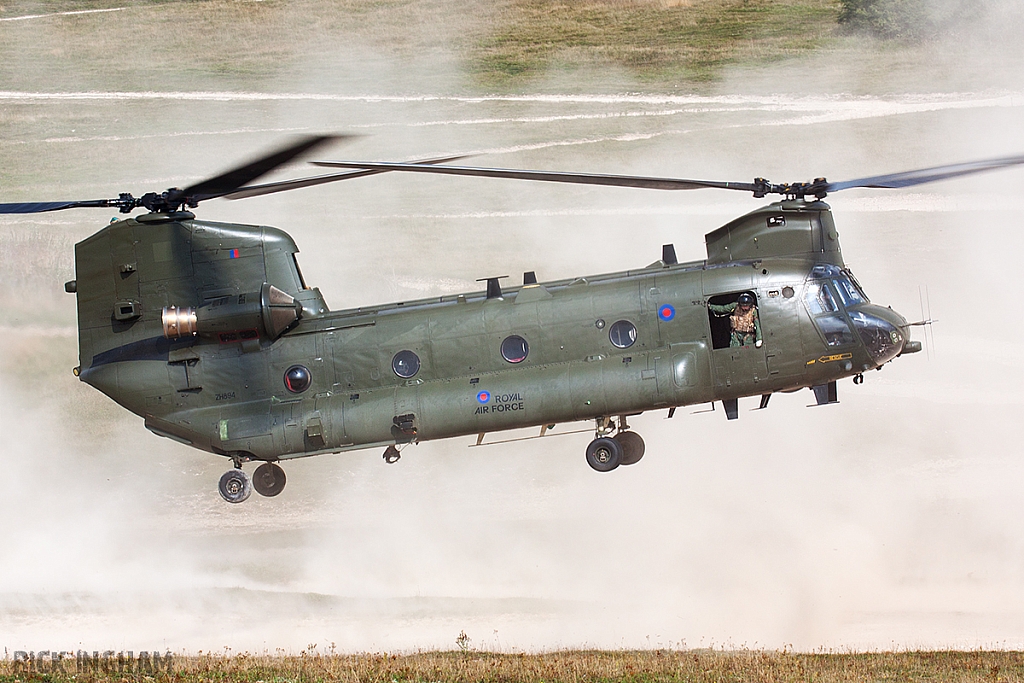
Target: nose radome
881	330
911	346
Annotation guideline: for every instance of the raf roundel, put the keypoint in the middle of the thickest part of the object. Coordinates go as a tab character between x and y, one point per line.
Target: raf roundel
483	397
666	312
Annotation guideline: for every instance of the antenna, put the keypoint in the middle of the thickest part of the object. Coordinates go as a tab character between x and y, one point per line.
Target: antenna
928	331
926	320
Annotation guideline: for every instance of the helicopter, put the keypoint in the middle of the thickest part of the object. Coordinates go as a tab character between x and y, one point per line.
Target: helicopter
210	333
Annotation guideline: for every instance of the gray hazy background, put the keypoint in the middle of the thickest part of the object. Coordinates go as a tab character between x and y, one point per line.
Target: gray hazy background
890	520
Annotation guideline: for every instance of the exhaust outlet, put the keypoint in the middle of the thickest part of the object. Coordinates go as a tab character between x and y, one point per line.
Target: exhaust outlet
268	313
179	322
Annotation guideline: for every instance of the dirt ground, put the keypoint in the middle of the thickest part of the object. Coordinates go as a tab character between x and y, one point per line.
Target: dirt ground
887	521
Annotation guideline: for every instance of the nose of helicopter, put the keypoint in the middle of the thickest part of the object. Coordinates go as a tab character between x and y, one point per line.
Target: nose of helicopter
883	332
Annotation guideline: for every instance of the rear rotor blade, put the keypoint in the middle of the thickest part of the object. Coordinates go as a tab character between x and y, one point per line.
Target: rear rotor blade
281	186
174	198
40	207
550	176
232	180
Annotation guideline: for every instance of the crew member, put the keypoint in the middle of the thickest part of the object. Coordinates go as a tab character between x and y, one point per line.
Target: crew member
744	324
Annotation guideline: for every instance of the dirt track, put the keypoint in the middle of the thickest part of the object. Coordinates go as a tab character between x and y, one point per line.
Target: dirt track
889	520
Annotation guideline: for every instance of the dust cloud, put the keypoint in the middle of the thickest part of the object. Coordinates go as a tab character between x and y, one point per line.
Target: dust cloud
889	520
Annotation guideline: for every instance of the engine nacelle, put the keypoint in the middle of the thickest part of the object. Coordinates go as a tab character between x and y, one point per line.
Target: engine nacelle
266	313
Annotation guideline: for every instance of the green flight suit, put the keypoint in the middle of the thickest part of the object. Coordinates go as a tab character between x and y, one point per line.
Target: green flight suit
737	338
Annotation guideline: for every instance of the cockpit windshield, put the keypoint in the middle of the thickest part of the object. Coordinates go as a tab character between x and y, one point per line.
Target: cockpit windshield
843	283
856	284
833	298
847	292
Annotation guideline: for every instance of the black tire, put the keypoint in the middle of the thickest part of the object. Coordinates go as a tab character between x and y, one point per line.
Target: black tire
632	447
234	486
604	454
268	479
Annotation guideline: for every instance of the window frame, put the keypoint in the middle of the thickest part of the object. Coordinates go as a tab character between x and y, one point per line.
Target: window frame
618	325
525	347
395	360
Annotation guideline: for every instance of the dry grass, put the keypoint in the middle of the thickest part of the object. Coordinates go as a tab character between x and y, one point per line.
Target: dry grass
576	666
507	43
216	43
653	40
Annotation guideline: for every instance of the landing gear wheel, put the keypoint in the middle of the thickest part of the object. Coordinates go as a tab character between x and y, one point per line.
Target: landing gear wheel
234	486
604	454
391	455
268	479
632	447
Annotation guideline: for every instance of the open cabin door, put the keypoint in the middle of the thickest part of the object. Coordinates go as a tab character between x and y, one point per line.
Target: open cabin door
739	365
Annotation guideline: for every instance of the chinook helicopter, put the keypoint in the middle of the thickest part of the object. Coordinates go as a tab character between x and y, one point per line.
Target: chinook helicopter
209	331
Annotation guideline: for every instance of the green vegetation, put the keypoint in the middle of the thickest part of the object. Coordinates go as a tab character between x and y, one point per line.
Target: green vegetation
909	20
578	666
686	39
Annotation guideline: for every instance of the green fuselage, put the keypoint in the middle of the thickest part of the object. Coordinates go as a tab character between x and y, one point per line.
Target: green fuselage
228	393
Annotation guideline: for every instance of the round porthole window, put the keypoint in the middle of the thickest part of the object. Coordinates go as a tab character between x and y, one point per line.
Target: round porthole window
514	349
297	379
622	334
405	364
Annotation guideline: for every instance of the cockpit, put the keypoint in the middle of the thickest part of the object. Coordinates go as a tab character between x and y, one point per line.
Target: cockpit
844	284
840	309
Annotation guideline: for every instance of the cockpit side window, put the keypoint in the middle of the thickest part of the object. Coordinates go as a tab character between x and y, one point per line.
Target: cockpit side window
835	330
819	299
826	289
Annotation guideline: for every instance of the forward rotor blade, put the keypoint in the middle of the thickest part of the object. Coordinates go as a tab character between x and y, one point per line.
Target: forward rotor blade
270	188
759	187
40	207
927	175
230	181
550	176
